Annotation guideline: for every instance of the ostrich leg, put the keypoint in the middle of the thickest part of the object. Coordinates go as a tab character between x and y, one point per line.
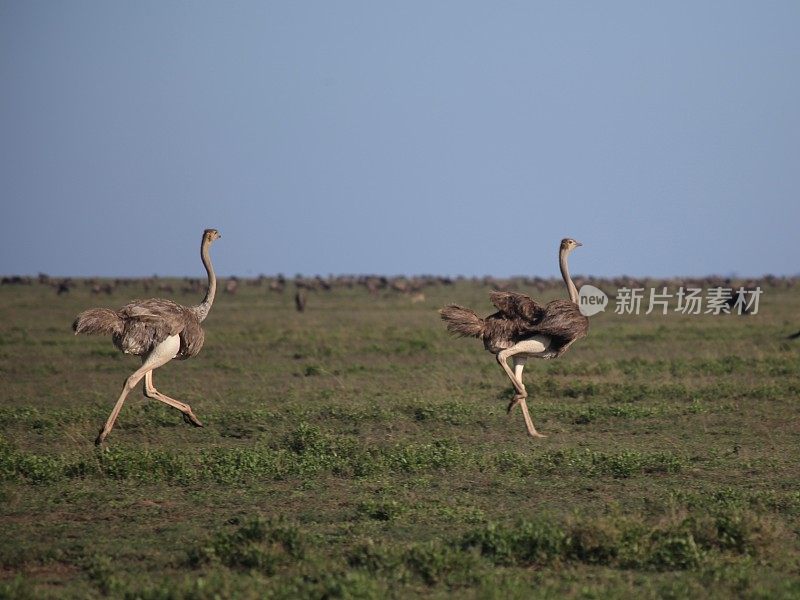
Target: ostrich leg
516	378
151	392
159	356
519	364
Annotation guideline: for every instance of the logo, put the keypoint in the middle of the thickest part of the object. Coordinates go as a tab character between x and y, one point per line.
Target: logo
591	300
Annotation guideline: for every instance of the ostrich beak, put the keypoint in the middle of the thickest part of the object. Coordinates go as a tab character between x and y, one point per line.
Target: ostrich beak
578	244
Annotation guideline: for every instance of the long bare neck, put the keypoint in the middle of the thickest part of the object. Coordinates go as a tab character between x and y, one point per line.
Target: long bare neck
562	261
205	306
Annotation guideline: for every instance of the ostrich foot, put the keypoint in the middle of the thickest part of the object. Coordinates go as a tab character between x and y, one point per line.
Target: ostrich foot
191	419
520	399
101	437
515	401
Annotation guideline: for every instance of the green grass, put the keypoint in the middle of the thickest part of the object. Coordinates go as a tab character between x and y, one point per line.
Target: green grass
357	451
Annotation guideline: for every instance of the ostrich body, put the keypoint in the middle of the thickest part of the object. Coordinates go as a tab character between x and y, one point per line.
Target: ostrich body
157	330
523	329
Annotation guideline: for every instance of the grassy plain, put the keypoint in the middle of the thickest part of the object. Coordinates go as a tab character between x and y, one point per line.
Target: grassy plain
357	451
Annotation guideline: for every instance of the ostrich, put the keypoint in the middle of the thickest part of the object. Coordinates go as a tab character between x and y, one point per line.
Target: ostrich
523	329
158	331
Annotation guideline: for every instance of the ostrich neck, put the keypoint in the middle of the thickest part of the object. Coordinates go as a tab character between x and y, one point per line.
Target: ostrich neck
573	291
205	306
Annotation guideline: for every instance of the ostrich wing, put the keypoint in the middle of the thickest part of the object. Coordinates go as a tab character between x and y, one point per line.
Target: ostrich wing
150	322
563	322
192	338
166	316
517	306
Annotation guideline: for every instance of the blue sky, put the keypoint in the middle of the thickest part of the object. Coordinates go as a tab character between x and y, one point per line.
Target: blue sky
399	137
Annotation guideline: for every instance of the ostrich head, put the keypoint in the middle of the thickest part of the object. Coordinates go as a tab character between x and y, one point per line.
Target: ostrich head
209	235
568	244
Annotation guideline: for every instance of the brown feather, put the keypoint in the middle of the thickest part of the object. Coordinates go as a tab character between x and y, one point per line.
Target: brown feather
501	332
98	321
560	320
141	325
563	322
150	322
516	305
461	321
192	338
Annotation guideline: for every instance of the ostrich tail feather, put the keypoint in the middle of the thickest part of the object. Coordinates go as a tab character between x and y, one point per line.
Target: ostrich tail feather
461	321
98	321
